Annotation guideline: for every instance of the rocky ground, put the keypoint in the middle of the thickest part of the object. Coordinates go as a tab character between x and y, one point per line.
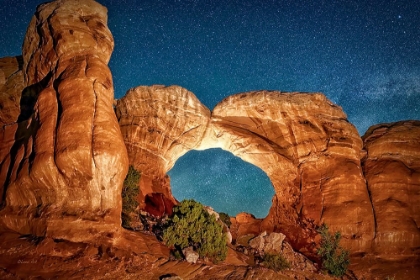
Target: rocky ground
139	255
131	255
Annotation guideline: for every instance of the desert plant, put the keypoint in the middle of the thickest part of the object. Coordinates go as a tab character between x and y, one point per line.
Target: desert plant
335	259
129	195
225	218
275	262
191	225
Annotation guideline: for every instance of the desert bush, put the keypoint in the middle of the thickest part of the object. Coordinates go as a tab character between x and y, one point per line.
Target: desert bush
225	218
335	259
191	225
275	262
129	195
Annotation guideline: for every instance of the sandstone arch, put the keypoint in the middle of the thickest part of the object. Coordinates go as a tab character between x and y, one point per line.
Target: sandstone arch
302	141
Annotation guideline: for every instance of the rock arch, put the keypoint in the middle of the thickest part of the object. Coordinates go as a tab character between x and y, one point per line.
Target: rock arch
303	142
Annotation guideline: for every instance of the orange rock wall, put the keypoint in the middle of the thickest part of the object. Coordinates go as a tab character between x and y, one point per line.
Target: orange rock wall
312	155
392	171
64	159
302	141
160	124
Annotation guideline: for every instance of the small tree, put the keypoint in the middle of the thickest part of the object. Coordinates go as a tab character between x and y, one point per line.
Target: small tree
275	262
335	259
129	195
191	225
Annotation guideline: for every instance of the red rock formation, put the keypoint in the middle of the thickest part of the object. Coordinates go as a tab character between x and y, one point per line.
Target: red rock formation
63	158
245	224
392	170
158	205
302	141
11	87
311	153
160	124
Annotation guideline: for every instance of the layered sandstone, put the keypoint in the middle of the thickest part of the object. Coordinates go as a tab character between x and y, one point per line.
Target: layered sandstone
63	159
311	154
11	87
392	171
160	124
302	141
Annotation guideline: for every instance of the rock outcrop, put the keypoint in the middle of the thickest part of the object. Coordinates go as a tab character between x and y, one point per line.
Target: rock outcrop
302	141
160	124
311	154
63	159
11	87
392	171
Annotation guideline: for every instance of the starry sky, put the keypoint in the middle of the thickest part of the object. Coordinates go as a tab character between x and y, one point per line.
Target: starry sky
364	55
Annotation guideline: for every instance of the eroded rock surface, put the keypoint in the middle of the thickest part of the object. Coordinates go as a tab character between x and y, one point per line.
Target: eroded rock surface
392	170
160	124
11	87
311	154
63	159
302	141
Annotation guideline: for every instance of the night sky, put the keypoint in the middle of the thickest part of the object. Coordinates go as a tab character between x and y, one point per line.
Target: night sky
364	55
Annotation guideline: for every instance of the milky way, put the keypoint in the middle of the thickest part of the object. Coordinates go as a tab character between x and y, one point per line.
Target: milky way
364	55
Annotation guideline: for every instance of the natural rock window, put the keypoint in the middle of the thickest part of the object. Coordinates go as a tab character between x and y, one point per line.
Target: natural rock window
223	181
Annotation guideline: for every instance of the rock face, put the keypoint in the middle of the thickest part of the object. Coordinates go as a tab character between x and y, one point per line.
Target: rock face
62	155
311	153
158	205
392	170
11	87
245	224
160	124
302	141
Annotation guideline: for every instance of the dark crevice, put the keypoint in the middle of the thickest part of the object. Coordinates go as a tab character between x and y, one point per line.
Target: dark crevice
27	128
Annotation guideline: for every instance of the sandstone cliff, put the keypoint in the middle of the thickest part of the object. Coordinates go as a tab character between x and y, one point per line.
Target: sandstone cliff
62	156
392	171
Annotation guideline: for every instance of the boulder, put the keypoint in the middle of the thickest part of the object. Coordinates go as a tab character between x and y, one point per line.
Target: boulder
244	224
190	255
273	242
257	242
171	276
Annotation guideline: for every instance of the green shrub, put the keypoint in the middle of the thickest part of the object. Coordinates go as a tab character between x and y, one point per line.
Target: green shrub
225	218
275	262
191	225
129	195
335	259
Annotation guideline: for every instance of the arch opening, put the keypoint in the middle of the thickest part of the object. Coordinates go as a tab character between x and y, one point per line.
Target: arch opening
223	181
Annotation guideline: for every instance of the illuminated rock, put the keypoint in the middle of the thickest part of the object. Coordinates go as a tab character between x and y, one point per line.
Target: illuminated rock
160	124
392	170
63	157
302	141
